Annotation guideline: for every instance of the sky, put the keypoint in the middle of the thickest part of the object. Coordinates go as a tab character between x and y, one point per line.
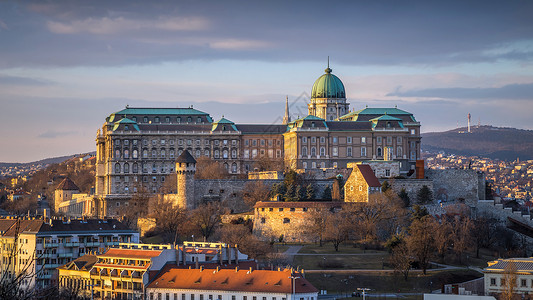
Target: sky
66	65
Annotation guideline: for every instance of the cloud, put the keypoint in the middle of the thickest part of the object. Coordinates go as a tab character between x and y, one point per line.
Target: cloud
52	134
110	26
511	91
14	80
3	25
235	44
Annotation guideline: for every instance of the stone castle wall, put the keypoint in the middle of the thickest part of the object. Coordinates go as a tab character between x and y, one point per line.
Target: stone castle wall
453	184
411	186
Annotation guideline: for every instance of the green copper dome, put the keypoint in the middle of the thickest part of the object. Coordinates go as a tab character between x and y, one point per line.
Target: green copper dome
328	86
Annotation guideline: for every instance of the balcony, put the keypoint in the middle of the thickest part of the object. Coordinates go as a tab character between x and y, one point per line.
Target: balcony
62	255
72	244
92	244
51	245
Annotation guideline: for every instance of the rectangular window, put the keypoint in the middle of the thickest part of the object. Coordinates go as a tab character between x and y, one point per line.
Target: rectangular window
399	140
322	140
349	151
389	140
523	283
349	140
363	140
313	139
335	151
363	151
335	140
246	153
304	139
378	140
413	131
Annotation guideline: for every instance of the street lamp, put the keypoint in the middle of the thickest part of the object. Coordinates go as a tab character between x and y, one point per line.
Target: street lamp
364	290
293	277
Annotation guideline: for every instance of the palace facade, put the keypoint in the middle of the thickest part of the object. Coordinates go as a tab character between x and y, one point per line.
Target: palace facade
137	147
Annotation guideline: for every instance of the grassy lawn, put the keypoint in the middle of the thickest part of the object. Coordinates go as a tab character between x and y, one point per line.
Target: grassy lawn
373	261
328	248
344	282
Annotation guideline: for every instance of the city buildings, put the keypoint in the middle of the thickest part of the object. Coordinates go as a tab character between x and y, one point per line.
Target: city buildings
230	284
511	274
42	245
124	271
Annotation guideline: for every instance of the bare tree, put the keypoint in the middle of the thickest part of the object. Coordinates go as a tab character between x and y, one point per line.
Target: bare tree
206	219
421	241
337	228
509	280
137	207
239	234
255	191
171	221
317	223
401	259
206	168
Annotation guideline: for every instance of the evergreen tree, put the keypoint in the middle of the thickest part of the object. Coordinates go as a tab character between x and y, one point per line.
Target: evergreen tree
405	198
418	212
309	192
424	195
326	195
385	186
299	193
290	193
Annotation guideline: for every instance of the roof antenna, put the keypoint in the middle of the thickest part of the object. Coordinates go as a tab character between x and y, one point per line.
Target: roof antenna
328	61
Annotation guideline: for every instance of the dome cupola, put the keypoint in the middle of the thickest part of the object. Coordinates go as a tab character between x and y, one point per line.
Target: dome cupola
328	86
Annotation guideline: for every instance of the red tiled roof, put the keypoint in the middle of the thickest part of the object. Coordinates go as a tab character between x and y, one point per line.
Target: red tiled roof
259	281
369	175
130	253
67	185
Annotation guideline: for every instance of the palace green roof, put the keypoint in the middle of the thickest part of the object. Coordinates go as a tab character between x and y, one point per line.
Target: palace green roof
157	111
126	121
377	111
328	86
223	121
385	118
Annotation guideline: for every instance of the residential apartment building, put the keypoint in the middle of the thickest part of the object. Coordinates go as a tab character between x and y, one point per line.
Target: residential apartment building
124	271
500	273
230	284
45	245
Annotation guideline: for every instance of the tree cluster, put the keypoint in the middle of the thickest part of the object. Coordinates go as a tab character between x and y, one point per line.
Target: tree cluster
295	187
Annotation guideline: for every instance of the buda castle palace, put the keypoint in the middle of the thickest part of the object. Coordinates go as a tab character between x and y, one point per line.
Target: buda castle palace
140	145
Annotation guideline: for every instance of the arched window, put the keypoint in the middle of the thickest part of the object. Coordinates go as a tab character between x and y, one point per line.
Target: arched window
171	153
322	164
126	153
304	151
117	154
234	154
226	166
233	168
379	152
304	165
198	153
206	153
145	153
163	153
135	168
217	154
154	153
313	151
225	154
117	168
399	152
322	151
135	153
126	168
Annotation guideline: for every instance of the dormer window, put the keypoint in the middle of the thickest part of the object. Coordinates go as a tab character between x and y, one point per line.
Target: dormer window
167	119
145	119
156	119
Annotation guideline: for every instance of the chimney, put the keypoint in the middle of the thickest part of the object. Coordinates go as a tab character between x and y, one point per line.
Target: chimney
236	269
220	254
196	265
201	267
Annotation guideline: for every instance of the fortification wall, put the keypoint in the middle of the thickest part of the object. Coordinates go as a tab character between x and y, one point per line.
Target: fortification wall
453	184
411	186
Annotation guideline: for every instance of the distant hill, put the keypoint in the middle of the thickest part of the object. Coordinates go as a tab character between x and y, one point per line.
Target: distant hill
46	161
487	141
